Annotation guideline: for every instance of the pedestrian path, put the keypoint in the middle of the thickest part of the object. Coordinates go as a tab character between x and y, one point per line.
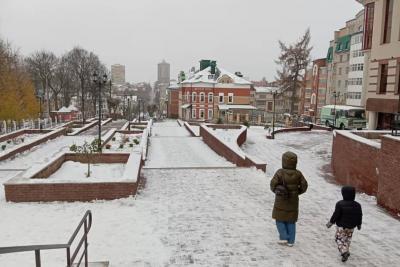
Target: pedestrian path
171	146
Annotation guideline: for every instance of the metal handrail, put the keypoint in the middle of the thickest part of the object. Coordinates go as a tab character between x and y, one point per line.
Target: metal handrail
87	224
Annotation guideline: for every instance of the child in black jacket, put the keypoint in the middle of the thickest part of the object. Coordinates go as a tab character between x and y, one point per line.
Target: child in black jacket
347	216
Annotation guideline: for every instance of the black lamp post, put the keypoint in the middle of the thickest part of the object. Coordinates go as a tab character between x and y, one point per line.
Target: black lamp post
129	114
273	115
40	95
139	100
99	82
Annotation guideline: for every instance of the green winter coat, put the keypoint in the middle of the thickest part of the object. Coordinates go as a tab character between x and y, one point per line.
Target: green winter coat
287	209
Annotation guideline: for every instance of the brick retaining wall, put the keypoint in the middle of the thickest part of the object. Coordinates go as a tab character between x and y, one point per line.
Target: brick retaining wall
354	163
225	151
37	192
369	166
13	152
389	174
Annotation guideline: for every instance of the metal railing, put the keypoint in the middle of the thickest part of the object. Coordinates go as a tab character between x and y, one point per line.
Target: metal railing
86	222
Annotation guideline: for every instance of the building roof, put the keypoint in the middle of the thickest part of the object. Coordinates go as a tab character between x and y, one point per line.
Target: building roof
342	107
205	76
64	110
229	107
185	106
263	89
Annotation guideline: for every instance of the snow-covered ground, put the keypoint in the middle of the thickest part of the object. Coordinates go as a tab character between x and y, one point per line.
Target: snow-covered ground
208	217
71	171
18	142
179	149
126	141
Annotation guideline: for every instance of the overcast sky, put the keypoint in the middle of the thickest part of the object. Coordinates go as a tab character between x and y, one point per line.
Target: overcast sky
242	35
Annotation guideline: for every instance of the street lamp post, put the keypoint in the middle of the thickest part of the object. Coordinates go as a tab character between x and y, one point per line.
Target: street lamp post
129	114
99	82
40	95
273	114
139	100
335	95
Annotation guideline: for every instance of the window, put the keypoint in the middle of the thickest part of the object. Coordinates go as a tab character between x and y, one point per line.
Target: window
210	114
341	58
383	69
339	84
340	71
398	78
269	106
193	113
194	97
221	97
230	97
202	98
387	29
347	70
369	25
210	98
201	113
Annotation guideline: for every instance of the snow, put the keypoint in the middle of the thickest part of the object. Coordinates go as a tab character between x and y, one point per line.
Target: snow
17	142
351	135
205	76
228	137
169	128
132	170
75	172
203	217
126	140
229	107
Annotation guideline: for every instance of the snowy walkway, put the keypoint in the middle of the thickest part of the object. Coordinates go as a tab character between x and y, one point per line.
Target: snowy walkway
171	146
208	217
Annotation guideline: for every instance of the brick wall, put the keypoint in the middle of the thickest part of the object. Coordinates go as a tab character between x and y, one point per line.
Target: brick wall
38	192
68	191
286	130
21	132
389	174
223	150
354	163
28	146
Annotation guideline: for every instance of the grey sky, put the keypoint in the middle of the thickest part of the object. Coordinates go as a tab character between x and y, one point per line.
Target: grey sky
241	35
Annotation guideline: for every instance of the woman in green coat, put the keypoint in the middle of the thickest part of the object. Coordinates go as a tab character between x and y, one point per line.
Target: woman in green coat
286	207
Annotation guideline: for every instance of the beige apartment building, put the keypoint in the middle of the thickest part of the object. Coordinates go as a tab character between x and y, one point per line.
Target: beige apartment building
338	60
118	74
382	47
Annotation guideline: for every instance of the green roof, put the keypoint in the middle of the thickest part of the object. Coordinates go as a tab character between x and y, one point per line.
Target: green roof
329	57
343	44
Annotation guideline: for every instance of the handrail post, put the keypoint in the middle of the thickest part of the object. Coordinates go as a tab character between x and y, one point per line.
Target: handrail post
37	258
68	257
86	244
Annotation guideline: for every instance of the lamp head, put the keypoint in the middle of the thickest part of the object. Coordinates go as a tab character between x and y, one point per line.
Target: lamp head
95	77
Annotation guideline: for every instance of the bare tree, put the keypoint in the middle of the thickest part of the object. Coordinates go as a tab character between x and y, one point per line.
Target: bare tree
41	65
293	60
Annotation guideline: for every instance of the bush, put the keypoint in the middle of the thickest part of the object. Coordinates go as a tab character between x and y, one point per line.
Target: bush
8	141
121	146
108	146
131	145
22	140
136	141
3	147
113	139
247	124
73	148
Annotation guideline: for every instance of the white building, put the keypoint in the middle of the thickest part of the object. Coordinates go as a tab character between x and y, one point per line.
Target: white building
356	71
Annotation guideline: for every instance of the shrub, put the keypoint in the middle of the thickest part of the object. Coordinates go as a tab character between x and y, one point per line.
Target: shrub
8	141
73	148
108	146
136	141
3	147
121	146
113	139
131	145
247	124
22	140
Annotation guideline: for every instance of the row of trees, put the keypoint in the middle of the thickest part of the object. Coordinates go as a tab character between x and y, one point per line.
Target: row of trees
61	78
17	93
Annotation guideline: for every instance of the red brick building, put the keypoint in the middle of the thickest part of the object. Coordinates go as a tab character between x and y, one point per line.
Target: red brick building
212	93
313	95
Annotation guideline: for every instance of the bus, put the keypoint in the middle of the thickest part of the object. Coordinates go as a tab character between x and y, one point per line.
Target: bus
343	117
